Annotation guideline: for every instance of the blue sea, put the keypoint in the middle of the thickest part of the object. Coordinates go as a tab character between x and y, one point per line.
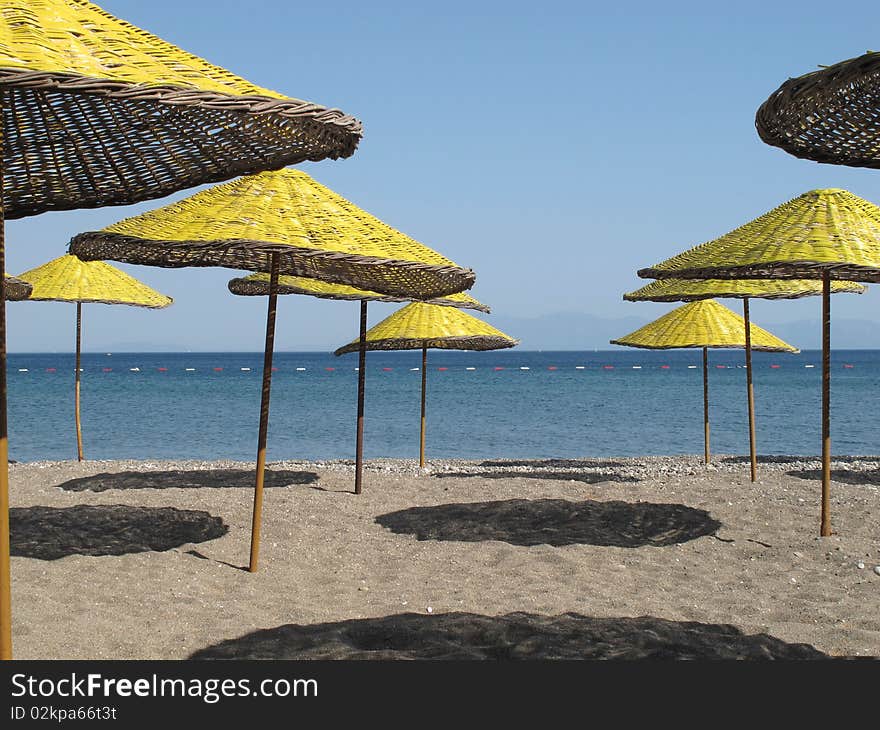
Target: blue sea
501	404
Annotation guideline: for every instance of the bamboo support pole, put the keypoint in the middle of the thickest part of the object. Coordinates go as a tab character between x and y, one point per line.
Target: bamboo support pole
424	389
706	401
825	528
264	412
5	576
76	379
362	366
750	391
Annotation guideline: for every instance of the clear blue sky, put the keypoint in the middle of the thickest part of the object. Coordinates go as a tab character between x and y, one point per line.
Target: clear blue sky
553	147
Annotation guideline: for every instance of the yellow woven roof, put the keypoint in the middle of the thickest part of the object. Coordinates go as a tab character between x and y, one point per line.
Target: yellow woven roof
319	234
67	279
258	285
822	230
419	325
16	289
106	113
691	290
705	323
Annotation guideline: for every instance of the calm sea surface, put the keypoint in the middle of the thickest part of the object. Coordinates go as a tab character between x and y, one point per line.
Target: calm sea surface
540	405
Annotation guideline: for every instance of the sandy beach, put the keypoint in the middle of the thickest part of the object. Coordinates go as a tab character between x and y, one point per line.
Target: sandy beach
658	556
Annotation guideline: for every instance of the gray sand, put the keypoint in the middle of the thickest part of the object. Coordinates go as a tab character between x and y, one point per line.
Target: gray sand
658	537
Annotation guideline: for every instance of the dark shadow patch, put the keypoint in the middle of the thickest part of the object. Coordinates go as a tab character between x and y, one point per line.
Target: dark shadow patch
564	476
845	476
197	479
49	533
555	522
556	463
515	636
796	459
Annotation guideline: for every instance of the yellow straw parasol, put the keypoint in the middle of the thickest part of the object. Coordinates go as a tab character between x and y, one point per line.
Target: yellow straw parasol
16	289
702	324
98	112
418	326
822	234
281	222
830	115
67	279
258	285
692	290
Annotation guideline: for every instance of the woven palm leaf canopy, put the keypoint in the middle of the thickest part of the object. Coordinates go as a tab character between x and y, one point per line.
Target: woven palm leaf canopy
67	279
826	234
831	115
420	325
702	324
281	222
16	289
258	285
98	112
691	290
313	231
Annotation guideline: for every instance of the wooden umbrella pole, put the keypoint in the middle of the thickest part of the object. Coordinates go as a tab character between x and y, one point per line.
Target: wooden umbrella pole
424	389
264	412
825	529
79	436
751	390
362	374
706	401
5	576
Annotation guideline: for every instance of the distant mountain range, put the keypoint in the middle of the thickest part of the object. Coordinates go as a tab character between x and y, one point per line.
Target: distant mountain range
561	331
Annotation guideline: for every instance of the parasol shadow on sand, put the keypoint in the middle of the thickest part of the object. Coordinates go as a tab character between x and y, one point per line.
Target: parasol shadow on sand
259	285
420	325
281	222
586	477
693	290
97	112
67	279
555	522
703	324
50	533
512	636
829	235
186	479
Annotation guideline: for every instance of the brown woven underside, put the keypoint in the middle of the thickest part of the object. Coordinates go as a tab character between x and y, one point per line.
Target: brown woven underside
700	297
782	270
698	346
831	115
248	288
17	291
398	278
72	142
447	343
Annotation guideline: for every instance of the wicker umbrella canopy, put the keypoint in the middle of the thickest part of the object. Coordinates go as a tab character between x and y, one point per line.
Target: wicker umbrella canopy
691	290
67	279
259	285
97	112
831	115
315	233
823	234
704	324
420	325
16	289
